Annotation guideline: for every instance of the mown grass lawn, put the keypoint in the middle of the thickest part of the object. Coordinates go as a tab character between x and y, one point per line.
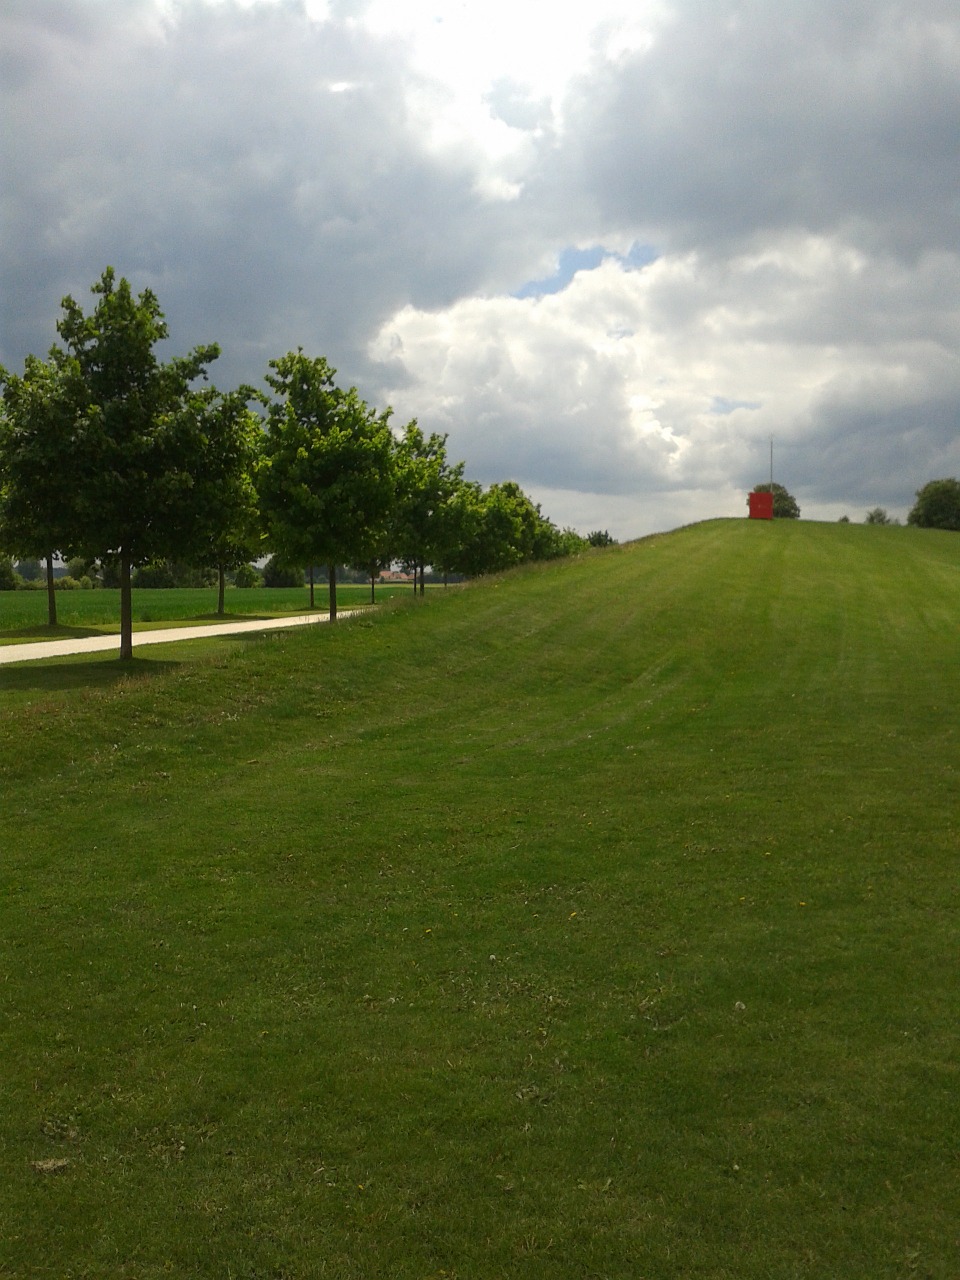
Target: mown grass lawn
23	614
596	921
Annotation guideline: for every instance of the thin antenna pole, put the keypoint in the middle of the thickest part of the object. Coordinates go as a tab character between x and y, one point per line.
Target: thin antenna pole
771	464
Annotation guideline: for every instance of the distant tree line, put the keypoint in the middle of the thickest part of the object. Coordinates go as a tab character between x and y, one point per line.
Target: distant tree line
127	466
937	506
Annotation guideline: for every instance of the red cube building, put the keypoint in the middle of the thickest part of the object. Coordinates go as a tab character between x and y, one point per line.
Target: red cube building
761	506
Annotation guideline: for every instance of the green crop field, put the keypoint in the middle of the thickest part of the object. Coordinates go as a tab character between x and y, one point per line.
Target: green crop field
23	614
599	920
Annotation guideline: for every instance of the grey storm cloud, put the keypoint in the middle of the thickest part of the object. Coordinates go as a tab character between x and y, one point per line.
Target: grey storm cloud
744	225
745	118
258	170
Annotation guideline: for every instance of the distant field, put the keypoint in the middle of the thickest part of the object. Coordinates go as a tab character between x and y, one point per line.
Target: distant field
599	920
26	611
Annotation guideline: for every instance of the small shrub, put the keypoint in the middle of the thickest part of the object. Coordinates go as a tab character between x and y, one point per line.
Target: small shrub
157	575
278	575
66	583
247	576
79	568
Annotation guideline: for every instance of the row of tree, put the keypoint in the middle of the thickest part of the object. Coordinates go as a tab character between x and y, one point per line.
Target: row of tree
107	453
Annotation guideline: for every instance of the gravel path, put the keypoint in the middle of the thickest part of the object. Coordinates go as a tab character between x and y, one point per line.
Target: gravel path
95	644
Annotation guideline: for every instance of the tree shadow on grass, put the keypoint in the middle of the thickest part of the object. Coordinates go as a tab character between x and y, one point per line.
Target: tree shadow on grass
146	621
239	617
255	617
64	676
52	633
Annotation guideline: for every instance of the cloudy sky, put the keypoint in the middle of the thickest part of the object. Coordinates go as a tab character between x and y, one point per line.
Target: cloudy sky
611	247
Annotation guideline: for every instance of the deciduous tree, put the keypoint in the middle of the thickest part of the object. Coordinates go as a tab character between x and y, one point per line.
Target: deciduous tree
38	466
138	452
937	505
326	479
425	482
227	436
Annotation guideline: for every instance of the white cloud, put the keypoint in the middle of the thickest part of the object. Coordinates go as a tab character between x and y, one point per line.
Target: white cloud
672	379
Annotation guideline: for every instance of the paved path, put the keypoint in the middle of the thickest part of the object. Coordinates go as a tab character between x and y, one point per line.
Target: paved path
94	644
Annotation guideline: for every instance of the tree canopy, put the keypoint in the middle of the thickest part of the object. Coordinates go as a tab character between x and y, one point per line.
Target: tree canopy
137	445
326	480
228	438
38	461
937	505
425	484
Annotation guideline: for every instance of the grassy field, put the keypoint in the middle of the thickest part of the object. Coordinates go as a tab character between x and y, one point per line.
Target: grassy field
595	921
23	614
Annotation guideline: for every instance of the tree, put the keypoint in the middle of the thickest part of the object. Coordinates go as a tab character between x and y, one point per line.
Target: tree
937	505
601	538
535	537
8	575
276	574
784	504
38	466
326	479
228	437
571	543
246	576
551	543
425	481
79	567
501	530
878	515
375	556
138	453
457	524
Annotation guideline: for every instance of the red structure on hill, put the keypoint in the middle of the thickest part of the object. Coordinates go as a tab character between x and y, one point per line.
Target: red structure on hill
761	506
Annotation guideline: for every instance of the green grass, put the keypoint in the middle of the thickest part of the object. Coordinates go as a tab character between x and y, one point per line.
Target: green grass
596	921
23	614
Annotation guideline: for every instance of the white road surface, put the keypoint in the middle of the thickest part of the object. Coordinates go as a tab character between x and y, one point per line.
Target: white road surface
99	644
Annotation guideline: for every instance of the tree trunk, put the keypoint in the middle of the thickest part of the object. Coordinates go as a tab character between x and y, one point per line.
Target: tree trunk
311	586
423	569
51	593
126	608
333	592
373	584
221	591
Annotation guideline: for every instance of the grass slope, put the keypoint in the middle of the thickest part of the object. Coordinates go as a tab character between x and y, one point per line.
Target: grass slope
598	921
